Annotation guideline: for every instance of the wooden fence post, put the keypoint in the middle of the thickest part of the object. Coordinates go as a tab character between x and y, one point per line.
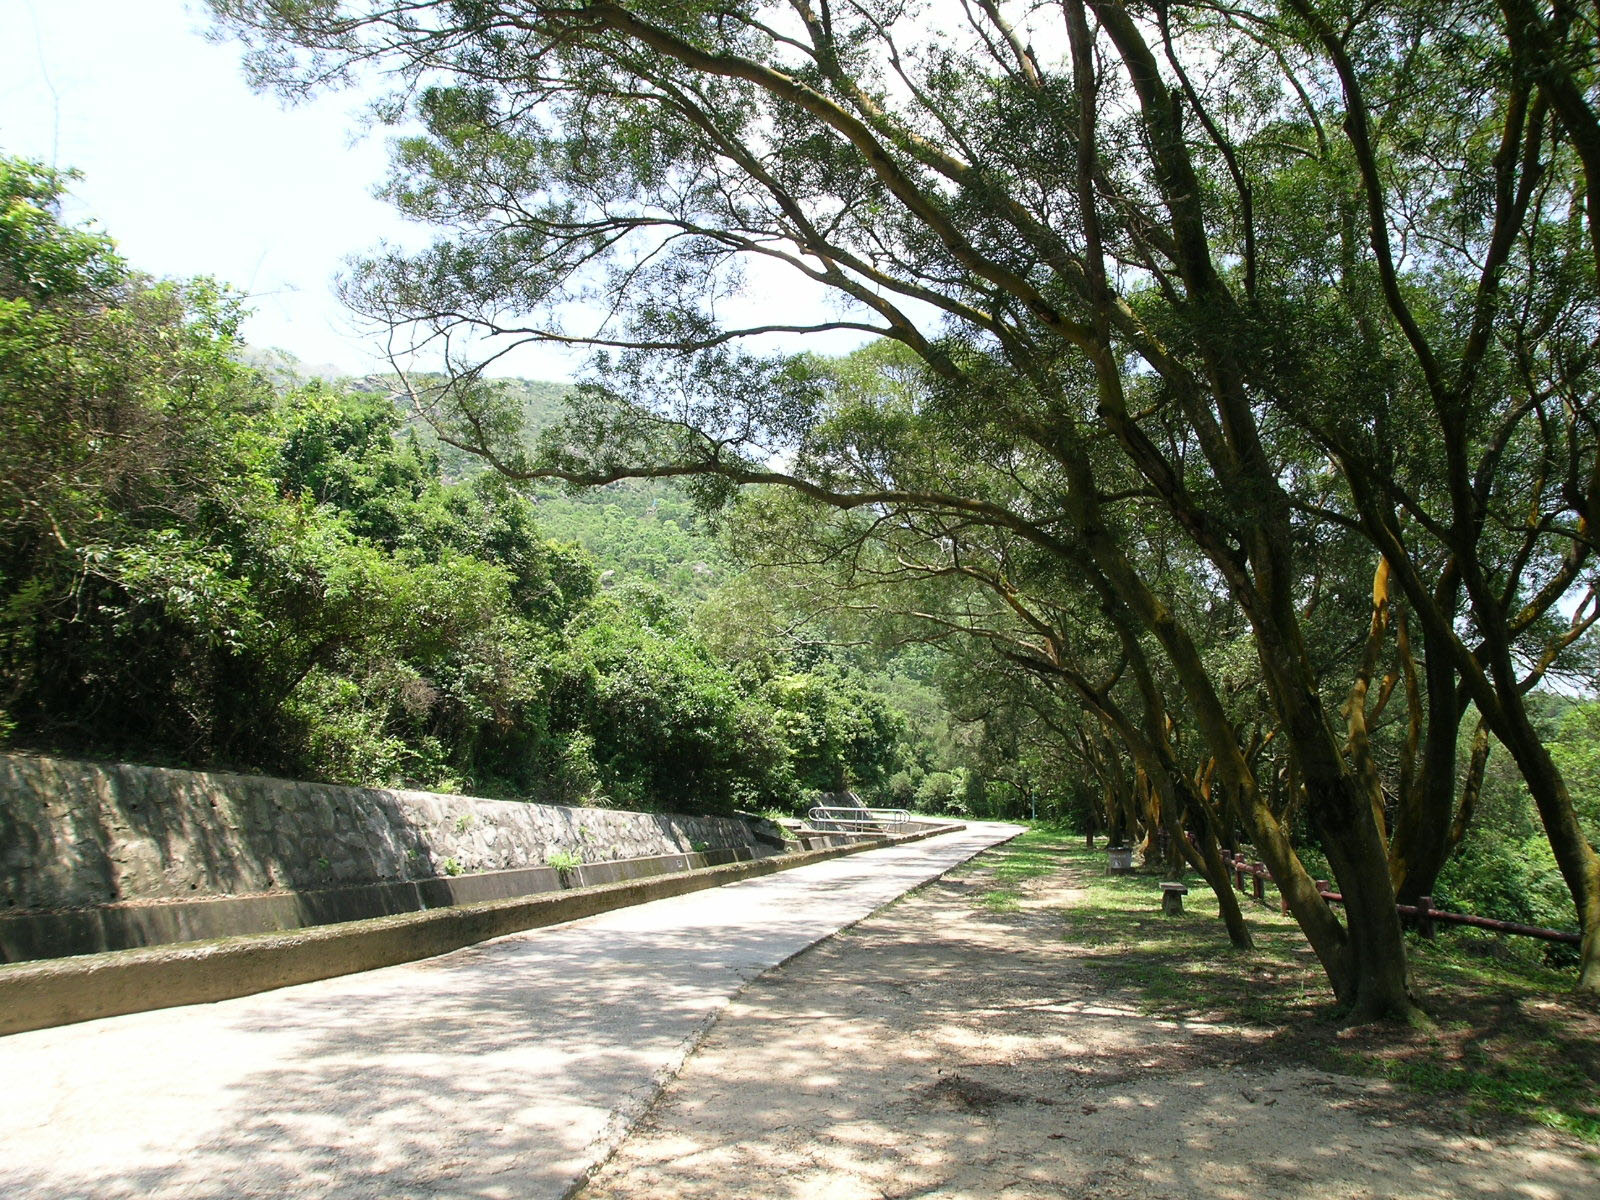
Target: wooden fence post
1259	873
1425	916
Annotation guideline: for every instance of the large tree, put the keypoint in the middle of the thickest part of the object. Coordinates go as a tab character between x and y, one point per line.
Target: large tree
1230	243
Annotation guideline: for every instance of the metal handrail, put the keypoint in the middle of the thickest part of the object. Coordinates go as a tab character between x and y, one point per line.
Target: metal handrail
852	817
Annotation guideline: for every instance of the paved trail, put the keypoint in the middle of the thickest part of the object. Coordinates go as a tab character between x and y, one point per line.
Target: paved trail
502	1070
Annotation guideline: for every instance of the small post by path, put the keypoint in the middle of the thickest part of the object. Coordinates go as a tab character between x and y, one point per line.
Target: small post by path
1172	895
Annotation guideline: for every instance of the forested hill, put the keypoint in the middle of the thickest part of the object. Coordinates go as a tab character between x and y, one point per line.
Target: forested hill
542	404
636	530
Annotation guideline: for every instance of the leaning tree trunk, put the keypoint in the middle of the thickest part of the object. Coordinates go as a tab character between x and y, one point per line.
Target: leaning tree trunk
1422	832
1205	856
1174	802
1579	865
1322	929
1342	810
1500	700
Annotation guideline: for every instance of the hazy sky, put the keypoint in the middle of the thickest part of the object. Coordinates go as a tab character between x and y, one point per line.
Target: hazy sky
194	174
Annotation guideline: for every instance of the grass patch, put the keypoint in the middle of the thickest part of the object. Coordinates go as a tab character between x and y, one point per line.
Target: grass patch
999	901
1510	1039
1510	1079
1183	967
1026	856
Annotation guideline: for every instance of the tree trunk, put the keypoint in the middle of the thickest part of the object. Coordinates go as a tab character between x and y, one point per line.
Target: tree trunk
1206	858
1322	929
1500	700
1174	804
1421	841
1341	810
1580	866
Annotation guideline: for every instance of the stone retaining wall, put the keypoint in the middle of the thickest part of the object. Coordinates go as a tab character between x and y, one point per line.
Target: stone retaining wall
78	835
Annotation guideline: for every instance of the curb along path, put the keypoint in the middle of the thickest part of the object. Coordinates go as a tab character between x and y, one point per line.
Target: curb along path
502	1070
59	991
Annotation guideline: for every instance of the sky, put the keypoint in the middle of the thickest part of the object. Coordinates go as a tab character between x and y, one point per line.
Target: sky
192	173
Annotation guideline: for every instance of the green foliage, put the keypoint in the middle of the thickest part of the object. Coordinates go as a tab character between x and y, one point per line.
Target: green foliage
636	531
115	394
1575	747
40	261
661	718
1510	879
639	532
196	569
941	792
839	733
1505	867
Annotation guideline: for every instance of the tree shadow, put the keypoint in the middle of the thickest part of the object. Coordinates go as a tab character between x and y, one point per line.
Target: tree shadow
903	1062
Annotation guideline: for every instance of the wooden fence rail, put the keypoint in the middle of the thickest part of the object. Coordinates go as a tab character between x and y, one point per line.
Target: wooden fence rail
1424	913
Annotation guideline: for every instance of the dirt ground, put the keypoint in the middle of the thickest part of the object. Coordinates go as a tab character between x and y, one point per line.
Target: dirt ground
938	1049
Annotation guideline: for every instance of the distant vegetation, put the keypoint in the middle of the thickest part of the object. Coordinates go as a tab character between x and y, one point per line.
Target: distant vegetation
208	563
635	530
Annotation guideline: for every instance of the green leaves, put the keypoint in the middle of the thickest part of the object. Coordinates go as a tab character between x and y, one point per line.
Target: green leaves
41	261
193	569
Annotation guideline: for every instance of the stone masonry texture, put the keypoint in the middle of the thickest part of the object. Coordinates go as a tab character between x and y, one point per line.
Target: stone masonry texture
75	834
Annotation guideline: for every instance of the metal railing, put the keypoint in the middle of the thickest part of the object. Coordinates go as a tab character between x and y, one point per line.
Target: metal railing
850	819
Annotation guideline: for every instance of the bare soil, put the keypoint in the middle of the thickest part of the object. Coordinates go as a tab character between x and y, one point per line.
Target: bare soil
940	1049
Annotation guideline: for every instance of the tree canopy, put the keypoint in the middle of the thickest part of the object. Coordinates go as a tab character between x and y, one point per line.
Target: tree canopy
1203	302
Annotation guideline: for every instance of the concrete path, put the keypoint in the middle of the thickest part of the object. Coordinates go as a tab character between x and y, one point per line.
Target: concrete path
503	1070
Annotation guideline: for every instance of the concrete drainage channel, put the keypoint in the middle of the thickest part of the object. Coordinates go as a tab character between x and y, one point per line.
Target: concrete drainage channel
26	936
41	994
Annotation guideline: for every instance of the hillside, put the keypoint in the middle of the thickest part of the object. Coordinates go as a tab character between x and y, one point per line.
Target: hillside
636	530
